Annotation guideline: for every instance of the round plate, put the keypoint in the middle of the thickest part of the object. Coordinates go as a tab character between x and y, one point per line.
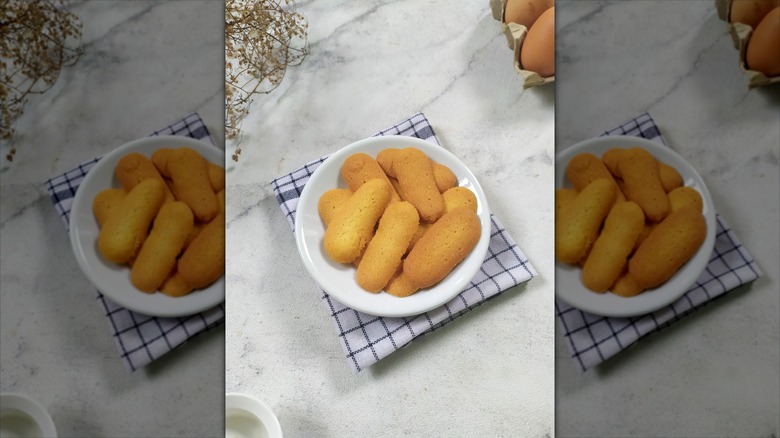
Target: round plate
568	286
111	279
338	279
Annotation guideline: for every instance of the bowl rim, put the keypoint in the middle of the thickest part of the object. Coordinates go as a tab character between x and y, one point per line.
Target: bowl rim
408	307
609	304
31	408
256	407
155	304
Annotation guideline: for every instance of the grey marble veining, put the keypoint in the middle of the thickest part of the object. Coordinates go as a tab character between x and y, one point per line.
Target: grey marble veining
371	65
715	372
145	65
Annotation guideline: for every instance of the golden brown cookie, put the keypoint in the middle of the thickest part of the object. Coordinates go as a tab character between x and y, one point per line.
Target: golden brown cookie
610	252
639	171
669	246
125	230
685	197
445	178
400	286
158	253
353	225
626	286
189	173
330	202
459	197
216	176
105	203
585	168
359	168
175	286
670	177
134	168
446	243
577	225
390	242
563	197
414	172
203	262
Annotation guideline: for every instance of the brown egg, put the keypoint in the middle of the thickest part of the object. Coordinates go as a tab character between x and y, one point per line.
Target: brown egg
538	51
751	12
525	12
763	47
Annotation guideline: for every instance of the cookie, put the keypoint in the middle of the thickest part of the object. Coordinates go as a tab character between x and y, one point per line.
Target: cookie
359	168
383	254
577	225
133	168
685	197
353	225
400	286
459	197
563	198
125	230
330	202
639	171
189	172
585	168
203	262
158	253
446	243
216	176
626	286
414	172
105	203
175	286
610	251
669	246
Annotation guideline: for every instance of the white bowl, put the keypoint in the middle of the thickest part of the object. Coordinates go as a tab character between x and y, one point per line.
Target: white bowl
248	417
568	285
338	279
21	416
114	280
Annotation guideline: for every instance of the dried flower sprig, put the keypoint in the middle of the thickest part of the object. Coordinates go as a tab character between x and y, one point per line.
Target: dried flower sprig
262	39
37	39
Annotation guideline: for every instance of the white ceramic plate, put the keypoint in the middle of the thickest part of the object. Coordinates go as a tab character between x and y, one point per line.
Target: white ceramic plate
568	286
248	417
339	279
23	416
114	280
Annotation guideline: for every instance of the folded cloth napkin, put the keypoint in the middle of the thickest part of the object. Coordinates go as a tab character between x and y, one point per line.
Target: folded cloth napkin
140	338
593	339
366	339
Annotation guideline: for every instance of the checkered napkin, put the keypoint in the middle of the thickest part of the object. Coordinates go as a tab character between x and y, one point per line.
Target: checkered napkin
593	339
366	339
140	338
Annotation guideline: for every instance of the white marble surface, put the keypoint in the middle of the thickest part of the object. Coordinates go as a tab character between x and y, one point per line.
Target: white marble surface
145	65
715	373
372	64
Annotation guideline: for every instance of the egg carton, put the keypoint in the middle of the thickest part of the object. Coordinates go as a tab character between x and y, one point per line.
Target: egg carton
515	35
740	35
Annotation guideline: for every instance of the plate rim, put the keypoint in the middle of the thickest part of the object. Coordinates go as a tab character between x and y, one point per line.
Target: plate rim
77	247
481	248
707	246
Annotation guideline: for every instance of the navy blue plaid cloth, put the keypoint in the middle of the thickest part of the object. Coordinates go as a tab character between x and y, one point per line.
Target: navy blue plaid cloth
592	339
140	338
366	339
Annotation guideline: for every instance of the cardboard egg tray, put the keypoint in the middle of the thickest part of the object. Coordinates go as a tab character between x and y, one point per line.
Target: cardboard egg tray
740	35
515	35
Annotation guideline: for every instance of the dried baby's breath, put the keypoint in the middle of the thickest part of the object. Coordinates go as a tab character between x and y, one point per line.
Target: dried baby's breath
262	39
37	39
